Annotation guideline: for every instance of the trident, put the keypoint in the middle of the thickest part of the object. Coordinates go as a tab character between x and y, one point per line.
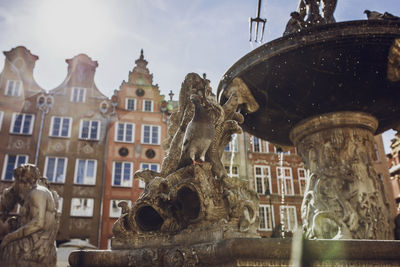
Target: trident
257	20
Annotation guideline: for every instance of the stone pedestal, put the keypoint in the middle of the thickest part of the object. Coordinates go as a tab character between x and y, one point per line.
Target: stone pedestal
344	198
250	252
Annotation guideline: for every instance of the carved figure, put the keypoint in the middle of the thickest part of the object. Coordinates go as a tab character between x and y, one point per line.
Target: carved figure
343	196
198	136
308	13
295	23
186	202
33	242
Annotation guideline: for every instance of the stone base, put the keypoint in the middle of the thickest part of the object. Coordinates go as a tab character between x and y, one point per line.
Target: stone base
212	233
249	252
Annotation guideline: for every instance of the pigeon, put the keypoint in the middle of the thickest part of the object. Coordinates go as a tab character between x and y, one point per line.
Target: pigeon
199	133
374	15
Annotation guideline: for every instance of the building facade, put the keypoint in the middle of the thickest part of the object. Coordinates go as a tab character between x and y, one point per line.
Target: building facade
72	150
137	129
19	116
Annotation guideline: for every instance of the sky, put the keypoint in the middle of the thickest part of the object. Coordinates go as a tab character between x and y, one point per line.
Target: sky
177	36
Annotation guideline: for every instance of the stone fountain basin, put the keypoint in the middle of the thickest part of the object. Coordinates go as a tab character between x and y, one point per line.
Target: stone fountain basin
334	67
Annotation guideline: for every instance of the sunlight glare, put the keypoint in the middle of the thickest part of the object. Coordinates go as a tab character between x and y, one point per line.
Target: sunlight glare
74	24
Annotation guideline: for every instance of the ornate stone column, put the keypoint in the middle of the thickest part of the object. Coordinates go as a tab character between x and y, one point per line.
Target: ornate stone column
344	198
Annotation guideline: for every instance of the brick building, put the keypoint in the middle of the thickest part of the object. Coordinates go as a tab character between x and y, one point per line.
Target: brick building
138	127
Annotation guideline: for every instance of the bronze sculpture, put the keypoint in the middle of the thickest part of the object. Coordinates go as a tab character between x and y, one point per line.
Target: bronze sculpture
308	14
32	243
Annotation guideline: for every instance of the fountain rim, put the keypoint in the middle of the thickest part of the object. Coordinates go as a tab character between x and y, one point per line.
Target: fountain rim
305	37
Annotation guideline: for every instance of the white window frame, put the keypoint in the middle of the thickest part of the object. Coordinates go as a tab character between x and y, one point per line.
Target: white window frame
55	168
266	146
115	214
14	116
283	178
61	125
15	91
1	119
89	130
15	165
75	89
134	103
142	184
90	204
253	144
124	134
129	184
144	105
87	180
234	173
263	178
269	221
304	179
286	213
151	134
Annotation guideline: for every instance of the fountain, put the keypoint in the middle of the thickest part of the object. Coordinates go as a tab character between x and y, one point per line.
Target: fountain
327	89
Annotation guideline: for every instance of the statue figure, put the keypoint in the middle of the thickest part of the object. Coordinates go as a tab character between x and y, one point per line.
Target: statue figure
32	241
189	199
308	13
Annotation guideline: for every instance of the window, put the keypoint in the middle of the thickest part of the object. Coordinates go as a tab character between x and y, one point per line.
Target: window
13	88
10	163
78	94
130	104
302	180
151	134
376	157
60	127
288	217
283	152
89	130
122	174
262	176
125	132
22	123
85	171
82	207
267	221
1	118
148	166
259	145
115	211
232	172
285	180
55	169
148	105
232	146
256	144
